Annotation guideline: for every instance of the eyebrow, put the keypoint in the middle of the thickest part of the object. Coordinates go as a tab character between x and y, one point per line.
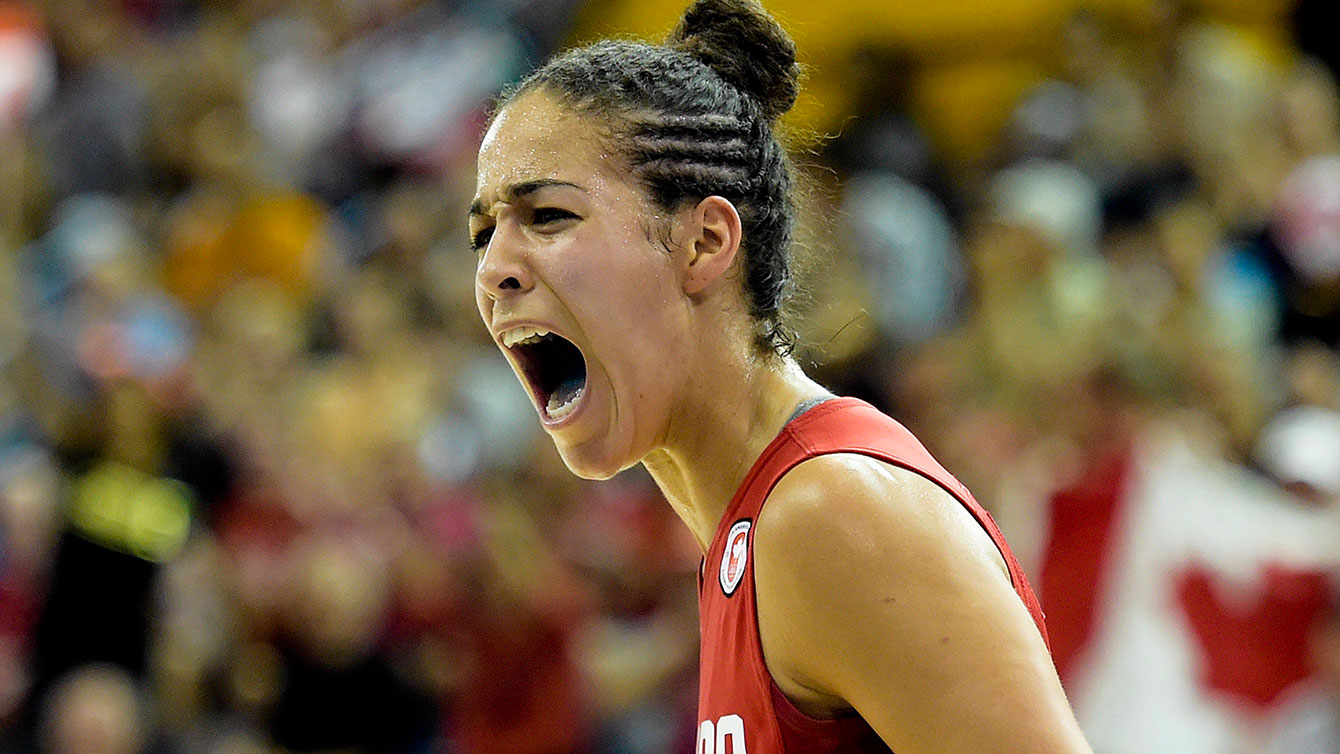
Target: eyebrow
517	190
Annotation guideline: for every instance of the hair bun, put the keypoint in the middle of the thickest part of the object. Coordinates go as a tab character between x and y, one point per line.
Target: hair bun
746	47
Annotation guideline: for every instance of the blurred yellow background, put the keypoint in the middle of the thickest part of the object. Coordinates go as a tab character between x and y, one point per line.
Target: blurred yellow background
974	58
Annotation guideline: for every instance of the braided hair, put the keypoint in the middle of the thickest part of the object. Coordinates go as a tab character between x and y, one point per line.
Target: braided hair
694	118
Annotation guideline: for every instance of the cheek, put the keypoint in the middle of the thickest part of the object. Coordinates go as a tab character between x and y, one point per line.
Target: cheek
483	303
640	338
630	293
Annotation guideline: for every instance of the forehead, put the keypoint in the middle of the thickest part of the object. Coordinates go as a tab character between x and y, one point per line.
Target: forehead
537	138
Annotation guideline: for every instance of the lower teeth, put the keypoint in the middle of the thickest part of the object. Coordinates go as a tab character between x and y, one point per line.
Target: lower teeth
558	410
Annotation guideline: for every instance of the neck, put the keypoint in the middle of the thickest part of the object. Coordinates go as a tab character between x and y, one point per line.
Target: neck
719	431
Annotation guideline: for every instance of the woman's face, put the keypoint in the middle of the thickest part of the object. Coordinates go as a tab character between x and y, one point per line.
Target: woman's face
566	245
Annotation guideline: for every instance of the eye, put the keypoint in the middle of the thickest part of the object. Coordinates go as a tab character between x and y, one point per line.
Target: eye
551	215
481	238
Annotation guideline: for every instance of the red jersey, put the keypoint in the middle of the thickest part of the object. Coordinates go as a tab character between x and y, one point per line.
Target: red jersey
740	708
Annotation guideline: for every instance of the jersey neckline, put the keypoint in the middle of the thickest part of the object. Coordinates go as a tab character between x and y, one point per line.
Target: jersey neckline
818	409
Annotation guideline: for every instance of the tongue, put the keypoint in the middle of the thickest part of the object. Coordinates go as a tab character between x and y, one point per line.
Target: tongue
566	392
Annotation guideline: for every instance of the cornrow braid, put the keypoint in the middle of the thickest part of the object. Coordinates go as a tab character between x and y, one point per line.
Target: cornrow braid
694	118
746	165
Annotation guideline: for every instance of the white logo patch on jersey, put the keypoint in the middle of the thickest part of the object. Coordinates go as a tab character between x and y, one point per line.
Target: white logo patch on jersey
733	559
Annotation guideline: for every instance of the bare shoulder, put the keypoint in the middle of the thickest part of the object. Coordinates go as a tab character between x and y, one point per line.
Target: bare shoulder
878	591
863	508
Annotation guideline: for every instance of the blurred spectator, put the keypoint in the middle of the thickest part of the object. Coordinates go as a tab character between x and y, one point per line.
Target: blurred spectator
1307	25
94	710
1297	449
265	484
908	248
94	131
29	519
340	690
883	137
1306	228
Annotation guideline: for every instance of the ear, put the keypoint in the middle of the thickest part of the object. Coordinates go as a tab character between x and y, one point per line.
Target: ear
712	238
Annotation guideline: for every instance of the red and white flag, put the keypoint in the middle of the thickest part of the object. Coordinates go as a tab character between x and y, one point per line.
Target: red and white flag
1180	591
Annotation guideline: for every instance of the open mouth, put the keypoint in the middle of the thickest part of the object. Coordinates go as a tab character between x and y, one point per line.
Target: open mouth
554	367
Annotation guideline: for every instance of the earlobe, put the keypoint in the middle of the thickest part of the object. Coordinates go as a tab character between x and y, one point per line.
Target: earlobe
713	240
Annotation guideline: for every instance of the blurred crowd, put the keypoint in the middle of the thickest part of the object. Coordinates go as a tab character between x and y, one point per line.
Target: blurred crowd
266	486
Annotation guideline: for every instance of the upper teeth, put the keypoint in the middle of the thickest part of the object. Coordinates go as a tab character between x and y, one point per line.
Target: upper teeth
523	335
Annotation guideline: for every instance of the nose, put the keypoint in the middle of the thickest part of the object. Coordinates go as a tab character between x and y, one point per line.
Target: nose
502	270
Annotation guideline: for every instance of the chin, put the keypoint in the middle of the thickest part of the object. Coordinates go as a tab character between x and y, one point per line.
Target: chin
590	461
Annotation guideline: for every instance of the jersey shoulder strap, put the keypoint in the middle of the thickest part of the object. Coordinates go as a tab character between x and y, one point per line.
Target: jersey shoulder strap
850	425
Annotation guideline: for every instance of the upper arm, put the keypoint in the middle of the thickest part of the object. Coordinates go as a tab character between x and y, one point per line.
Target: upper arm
877	588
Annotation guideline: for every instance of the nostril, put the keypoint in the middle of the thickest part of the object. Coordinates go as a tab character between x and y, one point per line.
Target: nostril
510	283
